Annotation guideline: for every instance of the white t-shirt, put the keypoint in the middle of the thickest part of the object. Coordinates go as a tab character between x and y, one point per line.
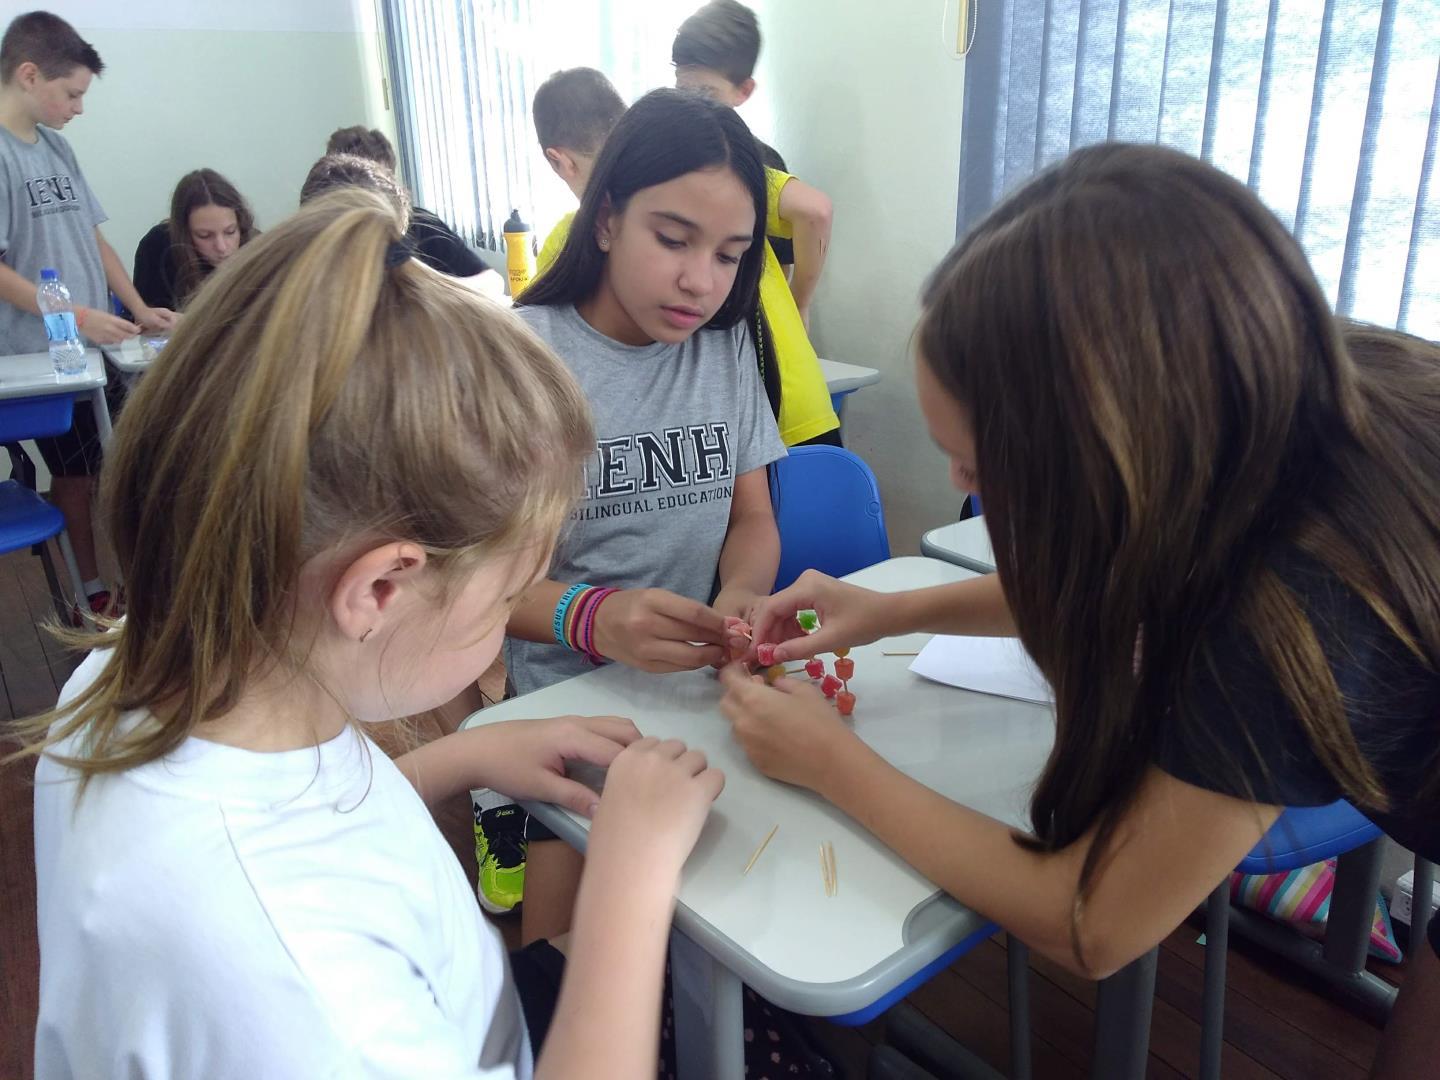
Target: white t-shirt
225	914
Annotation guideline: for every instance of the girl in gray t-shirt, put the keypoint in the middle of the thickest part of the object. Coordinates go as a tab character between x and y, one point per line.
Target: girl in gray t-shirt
650	304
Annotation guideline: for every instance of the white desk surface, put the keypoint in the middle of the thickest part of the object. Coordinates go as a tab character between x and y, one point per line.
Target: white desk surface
128	356
33	375
965	543
842	378
775	928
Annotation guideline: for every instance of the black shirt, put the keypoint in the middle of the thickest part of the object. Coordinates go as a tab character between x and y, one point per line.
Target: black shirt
783	246
154	275
1392	701
437	246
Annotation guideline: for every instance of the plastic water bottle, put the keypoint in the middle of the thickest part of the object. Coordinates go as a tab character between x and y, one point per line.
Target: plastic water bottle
67	352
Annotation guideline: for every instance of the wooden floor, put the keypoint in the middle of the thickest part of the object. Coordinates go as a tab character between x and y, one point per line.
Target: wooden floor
1275	1025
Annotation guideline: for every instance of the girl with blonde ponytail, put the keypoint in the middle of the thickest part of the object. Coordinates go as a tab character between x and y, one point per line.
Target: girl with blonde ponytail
325	498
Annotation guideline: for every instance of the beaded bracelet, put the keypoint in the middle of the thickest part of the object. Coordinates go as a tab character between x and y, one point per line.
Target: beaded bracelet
561	609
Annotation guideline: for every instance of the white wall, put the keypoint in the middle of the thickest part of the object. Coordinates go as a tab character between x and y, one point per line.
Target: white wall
864	101
251	88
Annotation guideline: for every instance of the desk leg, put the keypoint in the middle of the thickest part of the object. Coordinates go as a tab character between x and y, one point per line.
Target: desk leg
1122	1020
102	415
709	1020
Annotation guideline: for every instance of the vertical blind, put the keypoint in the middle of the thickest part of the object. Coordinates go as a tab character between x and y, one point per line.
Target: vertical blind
464	73
1327	109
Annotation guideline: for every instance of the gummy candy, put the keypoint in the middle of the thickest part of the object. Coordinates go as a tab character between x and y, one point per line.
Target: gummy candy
808	619
843	651
815	668
765	654
830	685
774	674
845	668
845	702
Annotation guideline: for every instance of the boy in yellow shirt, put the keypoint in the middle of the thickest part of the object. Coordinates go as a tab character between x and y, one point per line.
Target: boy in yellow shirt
573	111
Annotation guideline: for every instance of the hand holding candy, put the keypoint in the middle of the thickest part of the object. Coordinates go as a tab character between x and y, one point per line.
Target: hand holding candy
846	615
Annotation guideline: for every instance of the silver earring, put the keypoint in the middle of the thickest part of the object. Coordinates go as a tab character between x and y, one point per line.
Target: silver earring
604	243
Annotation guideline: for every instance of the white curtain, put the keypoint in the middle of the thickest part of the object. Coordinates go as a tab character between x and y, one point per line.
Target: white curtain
1328	109
464	73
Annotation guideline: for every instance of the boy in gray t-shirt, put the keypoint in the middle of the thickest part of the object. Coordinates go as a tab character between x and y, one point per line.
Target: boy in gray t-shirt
49	218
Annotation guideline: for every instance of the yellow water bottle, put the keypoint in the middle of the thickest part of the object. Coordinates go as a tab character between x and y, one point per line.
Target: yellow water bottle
519	253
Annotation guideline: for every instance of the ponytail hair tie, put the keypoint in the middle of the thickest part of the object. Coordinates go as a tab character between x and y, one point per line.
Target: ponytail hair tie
397	253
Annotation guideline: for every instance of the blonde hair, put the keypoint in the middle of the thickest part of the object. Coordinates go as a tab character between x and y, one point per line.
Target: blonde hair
315	397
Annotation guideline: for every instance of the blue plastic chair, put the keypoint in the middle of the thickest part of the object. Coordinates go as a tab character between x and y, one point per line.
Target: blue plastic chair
827	507
27	520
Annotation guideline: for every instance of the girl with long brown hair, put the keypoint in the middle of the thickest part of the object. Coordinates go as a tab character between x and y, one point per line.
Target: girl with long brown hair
209	221
1216	526
326	496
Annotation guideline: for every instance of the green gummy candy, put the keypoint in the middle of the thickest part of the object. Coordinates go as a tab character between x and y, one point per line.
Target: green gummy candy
808	619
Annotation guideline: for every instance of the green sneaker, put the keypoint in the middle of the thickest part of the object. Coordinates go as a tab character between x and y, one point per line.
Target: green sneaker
500	851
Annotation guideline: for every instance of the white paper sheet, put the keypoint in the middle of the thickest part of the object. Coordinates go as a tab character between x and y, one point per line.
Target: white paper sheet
987	665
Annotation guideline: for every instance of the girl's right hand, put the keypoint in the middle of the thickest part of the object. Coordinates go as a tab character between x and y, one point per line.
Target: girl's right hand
659	791
103	328
656	630
849	615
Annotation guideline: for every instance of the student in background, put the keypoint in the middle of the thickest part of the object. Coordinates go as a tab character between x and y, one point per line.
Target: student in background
49	218
326	502
573	111
435	243
1241	611
351	170
214	222
648	304
715	52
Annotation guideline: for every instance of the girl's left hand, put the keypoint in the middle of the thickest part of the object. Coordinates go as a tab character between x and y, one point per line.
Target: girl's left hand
789	731
525	759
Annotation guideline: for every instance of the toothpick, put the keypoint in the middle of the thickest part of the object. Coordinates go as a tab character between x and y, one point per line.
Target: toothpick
824	870
834	877
759	849
899	654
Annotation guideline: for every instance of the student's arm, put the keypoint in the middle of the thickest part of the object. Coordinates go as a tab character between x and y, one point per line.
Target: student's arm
100	327
851	615
149	318
650	629
487	281
751	553
810	214
607	1020
1158	868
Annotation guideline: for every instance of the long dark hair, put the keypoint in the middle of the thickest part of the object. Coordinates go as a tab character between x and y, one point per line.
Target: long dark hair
203	187
667	133
1162	400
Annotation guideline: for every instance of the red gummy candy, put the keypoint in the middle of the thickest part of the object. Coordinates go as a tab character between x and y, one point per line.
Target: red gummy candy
765	654
815	668
845	668
830	685
845	702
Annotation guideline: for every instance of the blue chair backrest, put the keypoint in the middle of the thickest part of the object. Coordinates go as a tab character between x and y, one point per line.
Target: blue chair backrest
827	506
35	417
1303	835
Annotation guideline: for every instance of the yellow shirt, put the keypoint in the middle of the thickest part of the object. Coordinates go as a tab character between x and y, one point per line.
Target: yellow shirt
805	409
550	250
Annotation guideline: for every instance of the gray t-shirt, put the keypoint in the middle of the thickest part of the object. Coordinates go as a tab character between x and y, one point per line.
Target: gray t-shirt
676	424
48	216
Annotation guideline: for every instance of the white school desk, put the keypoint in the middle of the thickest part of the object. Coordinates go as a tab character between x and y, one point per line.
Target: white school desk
965	543
128	356
841	379
33	375
887	929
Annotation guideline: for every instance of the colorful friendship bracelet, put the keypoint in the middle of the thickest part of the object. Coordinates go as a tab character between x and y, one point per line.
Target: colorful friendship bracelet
586	639
561	609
